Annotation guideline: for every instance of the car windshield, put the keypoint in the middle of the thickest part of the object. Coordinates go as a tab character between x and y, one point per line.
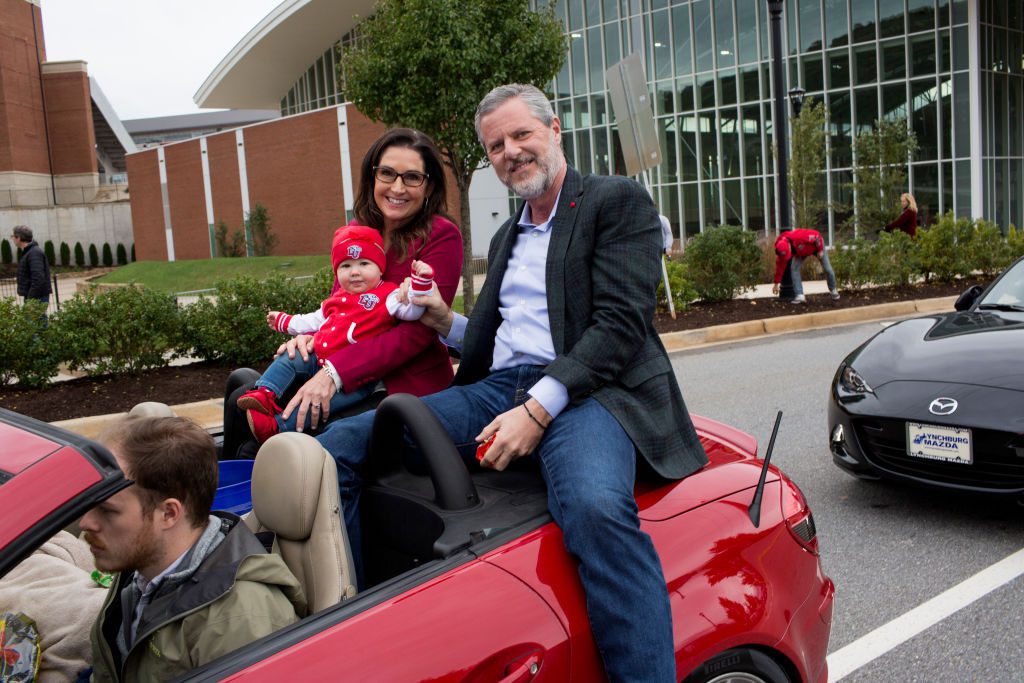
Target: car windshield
1008	293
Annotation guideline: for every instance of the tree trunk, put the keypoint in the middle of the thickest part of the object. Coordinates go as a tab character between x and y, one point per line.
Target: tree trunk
465	225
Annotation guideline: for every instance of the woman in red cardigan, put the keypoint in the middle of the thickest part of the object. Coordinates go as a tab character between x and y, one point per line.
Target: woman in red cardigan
401	194
907	220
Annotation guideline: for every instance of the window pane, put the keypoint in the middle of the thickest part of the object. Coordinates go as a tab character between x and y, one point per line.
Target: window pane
593	11
669	168
727	87
810	25
962	116
862	16
662	44
894	101
838	68
725	48
752	156
602	160
746	22
582	107
749	88
599	110
960	48
611	11
841	124
702	34
946	120
836	32
708	145
733	194
681	38
814	80
867	108
921	14
575	14
865	64
688	147
578	57
925	118
712	211
890	18
922	55
730	154
584	157
690	211
664	96
944	57
685	88
894	60
962	183
612	46
755	204
594	52
706	87
563	109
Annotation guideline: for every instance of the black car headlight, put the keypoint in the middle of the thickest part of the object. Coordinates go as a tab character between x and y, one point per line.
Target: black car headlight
851	382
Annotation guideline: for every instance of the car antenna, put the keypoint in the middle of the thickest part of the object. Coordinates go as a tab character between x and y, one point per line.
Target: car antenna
755	505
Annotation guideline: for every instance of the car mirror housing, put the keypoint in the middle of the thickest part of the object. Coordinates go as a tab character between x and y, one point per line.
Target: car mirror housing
967	298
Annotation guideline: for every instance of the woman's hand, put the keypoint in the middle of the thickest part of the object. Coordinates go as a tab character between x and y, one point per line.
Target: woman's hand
313	397
436	314
303	343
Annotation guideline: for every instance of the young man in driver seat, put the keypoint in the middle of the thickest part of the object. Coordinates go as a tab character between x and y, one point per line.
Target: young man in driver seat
191	585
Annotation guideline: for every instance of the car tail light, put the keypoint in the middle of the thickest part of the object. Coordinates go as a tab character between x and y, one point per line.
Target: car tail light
799	519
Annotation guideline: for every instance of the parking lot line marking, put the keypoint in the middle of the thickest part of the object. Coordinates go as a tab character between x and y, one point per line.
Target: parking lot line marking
873	645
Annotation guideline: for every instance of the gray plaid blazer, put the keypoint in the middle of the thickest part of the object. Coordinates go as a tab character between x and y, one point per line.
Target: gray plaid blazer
603	269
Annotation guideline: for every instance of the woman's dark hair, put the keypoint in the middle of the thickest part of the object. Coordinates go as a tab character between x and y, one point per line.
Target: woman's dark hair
435	197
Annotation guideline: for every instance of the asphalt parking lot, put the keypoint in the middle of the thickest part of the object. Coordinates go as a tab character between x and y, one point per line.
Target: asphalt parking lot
929	584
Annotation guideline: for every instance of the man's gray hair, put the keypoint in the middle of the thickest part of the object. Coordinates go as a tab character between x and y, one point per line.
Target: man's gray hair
23	233
532	97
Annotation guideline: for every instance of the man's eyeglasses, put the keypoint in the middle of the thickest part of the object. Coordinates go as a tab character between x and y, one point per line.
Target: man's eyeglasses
388	175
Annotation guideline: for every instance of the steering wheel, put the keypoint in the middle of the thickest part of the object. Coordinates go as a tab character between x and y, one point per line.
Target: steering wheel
453	488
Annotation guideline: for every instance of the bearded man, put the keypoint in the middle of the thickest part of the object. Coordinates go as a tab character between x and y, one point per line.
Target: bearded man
190	585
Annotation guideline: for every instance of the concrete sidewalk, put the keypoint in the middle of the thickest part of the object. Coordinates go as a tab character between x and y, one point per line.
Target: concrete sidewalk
209	413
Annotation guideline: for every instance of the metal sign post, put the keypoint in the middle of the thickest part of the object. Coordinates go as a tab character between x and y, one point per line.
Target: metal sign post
638	135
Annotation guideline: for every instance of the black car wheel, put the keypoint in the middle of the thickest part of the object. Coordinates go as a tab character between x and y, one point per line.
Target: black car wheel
741	665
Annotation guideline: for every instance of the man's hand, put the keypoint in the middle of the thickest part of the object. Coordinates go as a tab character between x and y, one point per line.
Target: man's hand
516	434
313	397
303	343
436	314
775	289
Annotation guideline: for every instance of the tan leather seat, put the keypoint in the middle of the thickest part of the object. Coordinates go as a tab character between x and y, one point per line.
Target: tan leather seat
295	495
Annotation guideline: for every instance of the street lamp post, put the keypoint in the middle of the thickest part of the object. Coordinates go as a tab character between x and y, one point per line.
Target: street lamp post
779	126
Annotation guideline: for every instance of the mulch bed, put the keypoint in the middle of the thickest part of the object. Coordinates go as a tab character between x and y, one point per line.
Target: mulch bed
184	384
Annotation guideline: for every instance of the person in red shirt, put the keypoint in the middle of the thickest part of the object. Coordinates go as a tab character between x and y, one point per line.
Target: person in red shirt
363	307
907	220
791	248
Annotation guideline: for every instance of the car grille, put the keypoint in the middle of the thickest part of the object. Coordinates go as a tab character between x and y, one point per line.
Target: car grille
997	465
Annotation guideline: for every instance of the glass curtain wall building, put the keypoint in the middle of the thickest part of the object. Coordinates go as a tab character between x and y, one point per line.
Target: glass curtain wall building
952	69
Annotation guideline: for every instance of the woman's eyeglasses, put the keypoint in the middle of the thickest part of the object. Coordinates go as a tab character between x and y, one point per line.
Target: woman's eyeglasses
388	175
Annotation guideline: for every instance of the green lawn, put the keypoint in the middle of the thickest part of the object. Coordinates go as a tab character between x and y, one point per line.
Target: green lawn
191	275
188	276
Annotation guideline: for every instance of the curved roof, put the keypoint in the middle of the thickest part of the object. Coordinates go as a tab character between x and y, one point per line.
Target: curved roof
264	64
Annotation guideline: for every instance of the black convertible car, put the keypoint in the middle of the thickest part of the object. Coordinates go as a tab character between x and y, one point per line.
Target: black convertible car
939	399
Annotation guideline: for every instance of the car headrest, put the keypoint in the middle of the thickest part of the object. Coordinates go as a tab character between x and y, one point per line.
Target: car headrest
291	465
151	409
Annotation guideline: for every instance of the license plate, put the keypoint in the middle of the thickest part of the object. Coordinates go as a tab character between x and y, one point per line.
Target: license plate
936	442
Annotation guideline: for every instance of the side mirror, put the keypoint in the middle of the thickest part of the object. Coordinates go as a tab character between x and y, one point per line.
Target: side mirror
968	297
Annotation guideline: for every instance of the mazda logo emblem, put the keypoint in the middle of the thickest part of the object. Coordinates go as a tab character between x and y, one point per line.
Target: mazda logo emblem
943	406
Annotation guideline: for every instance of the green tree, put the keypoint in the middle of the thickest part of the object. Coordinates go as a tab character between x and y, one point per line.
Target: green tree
723	262
427	64
880	158
50	252
94	256
228	244
806	164
79	255
108	255
263	238
122	255
6	253
65	254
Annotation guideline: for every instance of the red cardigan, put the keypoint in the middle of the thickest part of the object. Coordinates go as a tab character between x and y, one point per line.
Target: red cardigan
906	221
409	358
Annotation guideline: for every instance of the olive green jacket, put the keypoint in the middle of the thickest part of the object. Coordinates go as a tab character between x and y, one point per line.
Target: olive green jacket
239	594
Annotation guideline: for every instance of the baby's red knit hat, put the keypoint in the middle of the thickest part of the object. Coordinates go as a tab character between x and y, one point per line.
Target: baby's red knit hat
358	242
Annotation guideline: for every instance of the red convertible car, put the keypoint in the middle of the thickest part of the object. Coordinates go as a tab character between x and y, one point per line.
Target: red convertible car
466	575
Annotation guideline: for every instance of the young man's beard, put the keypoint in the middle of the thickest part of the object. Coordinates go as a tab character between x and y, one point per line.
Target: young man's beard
142	551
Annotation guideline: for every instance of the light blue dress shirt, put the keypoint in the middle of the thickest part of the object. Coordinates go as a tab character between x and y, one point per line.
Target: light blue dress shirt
524	336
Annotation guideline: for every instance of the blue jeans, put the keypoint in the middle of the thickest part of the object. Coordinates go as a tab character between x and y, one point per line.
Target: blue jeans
285	371
589	465
797	262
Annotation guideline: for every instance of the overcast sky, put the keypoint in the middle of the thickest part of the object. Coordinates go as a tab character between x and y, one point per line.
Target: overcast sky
149	56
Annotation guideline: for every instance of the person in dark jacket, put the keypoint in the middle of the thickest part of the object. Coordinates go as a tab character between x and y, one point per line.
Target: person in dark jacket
33	269
907	220
191	585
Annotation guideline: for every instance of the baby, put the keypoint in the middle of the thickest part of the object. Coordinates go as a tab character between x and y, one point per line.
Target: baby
363	307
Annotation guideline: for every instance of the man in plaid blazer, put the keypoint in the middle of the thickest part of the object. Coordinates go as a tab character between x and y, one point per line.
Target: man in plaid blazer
560	362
